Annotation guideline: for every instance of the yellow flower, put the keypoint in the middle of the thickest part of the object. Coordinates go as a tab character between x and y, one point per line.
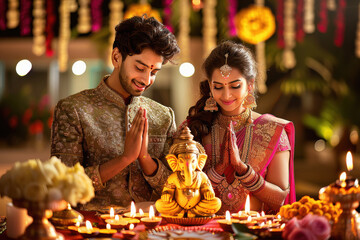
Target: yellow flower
255	24
140	10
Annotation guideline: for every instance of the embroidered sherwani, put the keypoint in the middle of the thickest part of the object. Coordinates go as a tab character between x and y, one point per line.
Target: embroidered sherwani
90	127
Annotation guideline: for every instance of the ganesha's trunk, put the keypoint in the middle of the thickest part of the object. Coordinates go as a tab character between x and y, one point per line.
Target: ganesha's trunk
188	174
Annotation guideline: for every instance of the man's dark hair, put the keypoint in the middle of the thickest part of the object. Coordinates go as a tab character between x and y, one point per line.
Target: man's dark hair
135	34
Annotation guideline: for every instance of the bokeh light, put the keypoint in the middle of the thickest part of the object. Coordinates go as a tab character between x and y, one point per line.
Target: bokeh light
23	67
186	69
79	67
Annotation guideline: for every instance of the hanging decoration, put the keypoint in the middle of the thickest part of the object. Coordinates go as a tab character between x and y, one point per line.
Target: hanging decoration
197	4
340	23
184	31
25	17
12	14
39	27
115	16
64	35
322	25
289	60
140	9
299	21
280	23
50	22
331	5
2	15
84	18
357	42
309	26
232	8
255	24
209	26
167	14
96	15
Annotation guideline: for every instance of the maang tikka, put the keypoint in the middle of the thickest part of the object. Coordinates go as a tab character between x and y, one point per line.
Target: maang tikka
225	69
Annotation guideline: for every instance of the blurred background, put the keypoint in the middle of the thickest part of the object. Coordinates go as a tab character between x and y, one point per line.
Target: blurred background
307	52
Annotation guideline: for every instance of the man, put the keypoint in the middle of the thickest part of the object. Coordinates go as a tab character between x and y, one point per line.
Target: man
115	133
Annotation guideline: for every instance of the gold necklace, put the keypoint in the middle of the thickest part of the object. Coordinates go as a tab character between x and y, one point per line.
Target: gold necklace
238	121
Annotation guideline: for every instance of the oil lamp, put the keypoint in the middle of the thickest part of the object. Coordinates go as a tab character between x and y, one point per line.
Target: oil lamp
151	221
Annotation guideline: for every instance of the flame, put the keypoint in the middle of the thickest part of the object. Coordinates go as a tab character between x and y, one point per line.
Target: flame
257	214
151	212
68	206
88	225
228	216
282	226
247	204
117	218
132	210
112	213
343	176
278	217
108	226
262	213
249	218
349	161
356	183
141	212
77	224
131	227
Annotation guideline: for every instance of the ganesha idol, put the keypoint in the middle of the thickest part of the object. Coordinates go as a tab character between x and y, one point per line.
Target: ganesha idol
188	191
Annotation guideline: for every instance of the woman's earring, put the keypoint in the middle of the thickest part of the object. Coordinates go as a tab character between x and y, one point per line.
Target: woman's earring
210	104
249	101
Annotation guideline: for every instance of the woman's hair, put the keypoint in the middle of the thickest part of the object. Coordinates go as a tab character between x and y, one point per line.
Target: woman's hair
135	34
239	57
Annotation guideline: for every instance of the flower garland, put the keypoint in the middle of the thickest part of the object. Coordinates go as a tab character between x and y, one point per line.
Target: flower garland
232	7
25	17
331	5
357	43
2	14
340	23
12	14
39	27
280	23
322	25
184	30
289	60
141	9
209	26
115	16
96	15
64	35
299	21
309	26
167	14
50	22
84	19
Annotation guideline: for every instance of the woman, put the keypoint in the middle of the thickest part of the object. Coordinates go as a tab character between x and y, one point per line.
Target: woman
248	153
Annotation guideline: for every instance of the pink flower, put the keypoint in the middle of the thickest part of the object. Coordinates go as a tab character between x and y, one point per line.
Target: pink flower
306	221
301	234
320	227
290	226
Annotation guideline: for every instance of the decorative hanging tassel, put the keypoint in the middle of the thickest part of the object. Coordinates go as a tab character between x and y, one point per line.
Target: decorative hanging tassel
209	26
357	43
115	16
261	60
25	17
39	27
50	22
232	7
167	14
280	23
12	14
84	18
2	15
289	60
64	35
309	26
300	21
184	31
96	15
340	24
331	5
322	25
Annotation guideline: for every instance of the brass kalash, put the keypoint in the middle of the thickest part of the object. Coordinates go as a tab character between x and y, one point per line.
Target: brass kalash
187	197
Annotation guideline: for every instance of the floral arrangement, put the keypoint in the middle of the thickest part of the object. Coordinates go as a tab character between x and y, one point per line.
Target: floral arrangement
311	227
307	205
255	24
51	180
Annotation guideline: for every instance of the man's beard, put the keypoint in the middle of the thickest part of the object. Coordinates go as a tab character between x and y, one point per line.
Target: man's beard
126	84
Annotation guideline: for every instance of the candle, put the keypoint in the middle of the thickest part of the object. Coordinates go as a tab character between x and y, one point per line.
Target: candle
243	215
258	229
226	223
117	222
248	222
107	232
17	220
260	218
88	230
128	234
151	221
276	232
110	215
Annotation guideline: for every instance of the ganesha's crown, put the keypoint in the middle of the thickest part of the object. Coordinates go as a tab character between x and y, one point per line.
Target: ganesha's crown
185	143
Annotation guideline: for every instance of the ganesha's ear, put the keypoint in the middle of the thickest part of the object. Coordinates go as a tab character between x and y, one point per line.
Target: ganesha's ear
173	162
201	161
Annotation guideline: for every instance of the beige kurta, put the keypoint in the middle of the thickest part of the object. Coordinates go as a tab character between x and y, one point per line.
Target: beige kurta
90	127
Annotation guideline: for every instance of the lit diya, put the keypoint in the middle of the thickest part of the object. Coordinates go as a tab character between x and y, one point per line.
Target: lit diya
128	234
111	214
107	232
243	215
88	230
117	222
151	221
226	223
134	214
276	232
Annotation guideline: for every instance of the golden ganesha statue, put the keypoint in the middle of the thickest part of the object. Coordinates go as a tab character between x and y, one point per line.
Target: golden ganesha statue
188	191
